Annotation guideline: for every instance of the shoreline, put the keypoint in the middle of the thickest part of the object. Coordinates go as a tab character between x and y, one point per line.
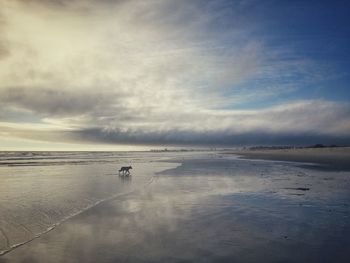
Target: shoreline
170	218
332	158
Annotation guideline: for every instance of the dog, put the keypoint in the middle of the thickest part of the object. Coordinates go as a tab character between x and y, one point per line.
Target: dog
125	170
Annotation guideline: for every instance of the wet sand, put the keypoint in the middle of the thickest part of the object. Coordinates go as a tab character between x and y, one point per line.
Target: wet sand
336	158
214	208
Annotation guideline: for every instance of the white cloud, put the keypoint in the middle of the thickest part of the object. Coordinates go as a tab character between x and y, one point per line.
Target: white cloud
137	70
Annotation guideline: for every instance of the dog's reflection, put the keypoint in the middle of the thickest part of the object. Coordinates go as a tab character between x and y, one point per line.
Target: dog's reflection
125	178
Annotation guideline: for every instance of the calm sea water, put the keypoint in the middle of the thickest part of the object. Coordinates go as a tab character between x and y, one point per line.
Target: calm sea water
175	207
39	190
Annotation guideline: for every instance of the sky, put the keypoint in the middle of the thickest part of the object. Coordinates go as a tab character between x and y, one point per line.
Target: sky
137	74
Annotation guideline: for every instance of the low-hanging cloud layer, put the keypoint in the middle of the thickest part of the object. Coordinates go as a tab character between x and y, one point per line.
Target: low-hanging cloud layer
153	72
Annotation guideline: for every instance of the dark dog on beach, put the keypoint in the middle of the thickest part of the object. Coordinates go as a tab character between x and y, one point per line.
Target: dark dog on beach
125	170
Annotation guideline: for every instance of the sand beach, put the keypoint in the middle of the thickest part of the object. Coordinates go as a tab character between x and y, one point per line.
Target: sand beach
180	207
337	158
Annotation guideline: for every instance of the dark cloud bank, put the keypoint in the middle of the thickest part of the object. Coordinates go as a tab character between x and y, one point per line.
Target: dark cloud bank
186	138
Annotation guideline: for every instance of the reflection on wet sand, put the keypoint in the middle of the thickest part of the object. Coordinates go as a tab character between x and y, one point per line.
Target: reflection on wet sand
210	210
125	178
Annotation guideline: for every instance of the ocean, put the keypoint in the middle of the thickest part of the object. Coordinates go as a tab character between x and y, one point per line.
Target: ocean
174	207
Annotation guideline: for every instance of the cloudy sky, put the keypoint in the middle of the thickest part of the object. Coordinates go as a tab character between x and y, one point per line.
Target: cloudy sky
129	74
